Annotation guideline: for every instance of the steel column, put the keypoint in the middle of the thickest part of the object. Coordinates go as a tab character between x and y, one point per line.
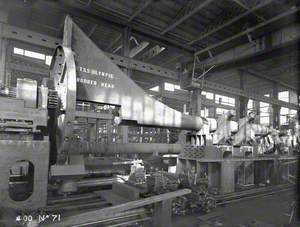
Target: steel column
196	102
3	45
125	52
242	102
276	108
227	177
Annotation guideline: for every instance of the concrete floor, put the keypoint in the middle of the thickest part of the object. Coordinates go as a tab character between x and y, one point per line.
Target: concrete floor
268	211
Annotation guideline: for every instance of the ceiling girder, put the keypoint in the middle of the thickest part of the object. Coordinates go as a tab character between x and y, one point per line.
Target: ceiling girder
249	30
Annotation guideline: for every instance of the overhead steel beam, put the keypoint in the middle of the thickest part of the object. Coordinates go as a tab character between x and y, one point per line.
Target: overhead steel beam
114	18
137	49
238	2
143	66
227	23
282	42
92	30
152	52
143	5
113	42
259	75
249	30
280	68
249	59
12	32
186	16
175	58
24	35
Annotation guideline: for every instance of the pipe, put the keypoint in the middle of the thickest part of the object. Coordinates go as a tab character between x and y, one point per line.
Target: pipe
85	147
96	182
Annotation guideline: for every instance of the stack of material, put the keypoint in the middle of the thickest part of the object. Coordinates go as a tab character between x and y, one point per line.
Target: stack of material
192	152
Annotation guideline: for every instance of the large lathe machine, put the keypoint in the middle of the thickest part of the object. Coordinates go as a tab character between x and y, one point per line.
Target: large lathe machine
64	147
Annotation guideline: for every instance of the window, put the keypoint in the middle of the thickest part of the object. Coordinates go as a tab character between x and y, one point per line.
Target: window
286	114
208	95
283	96
32	54
265	121
18	51
171	87
220	111
264	109
48	59
224	100
293	113
156	88
250	106
176	87
204	112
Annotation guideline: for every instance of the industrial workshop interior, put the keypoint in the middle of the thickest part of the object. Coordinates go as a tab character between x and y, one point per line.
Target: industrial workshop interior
141	113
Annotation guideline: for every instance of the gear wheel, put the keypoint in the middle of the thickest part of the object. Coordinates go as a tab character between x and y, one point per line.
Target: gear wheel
52	99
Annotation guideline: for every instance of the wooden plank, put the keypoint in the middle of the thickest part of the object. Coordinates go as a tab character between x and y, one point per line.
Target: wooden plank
112	198
125	191
210	216
96	215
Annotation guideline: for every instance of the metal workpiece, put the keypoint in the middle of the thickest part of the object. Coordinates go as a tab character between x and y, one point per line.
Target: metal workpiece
226	127
63	74
80	71
248	131
27	91
82	147
98	79
96	182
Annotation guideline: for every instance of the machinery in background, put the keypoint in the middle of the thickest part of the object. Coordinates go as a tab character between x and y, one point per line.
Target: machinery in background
24	145
290	137
91	128
243	156
225	130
